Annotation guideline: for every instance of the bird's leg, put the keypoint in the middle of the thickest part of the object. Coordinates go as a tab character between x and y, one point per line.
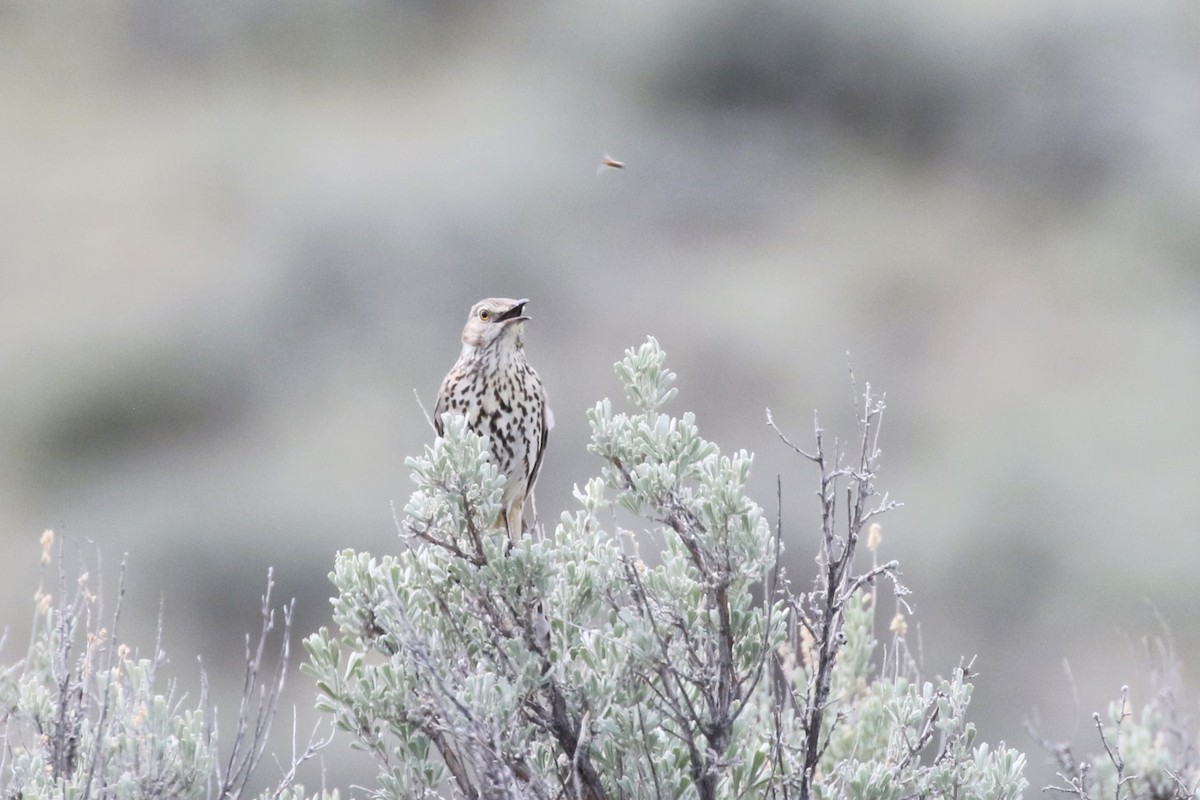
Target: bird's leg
513	521
538	533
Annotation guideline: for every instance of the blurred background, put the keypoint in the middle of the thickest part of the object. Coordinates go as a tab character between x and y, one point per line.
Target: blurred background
236	237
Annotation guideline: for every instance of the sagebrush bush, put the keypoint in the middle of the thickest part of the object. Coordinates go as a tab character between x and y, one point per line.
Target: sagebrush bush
1148	752
84	715
569	663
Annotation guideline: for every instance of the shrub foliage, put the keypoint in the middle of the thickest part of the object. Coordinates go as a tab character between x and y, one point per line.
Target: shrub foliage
569	665
566	665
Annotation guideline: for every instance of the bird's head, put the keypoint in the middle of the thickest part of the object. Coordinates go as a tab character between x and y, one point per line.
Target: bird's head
495	322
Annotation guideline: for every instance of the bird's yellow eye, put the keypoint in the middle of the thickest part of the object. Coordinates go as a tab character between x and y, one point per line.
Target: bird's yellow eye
485	314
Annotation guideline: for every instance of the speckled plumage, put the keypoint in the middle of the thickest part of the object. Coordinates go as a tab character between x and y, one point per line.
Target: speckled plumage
501	396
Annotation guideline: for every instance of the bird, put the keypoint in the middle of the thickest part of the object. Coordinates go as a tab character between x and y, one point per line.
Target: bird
502	397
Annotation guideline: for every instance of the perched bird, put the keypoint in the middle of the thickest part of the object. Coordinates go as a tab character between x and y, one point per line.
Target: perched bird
494	387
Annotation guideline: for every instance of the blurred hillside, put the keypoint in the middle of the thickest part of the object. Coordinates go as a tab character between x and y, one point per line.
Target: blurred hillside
238	236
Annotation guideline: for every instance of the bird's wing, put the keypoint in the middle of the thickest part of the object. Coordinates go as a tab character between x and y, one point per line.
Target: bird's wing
439	409
547	424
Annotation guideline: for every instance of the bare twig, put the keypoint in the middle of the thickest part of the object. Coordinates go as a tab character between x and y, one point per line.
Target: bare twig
788	442
109	672
836	582
428	418
311	749
1113	749
259	701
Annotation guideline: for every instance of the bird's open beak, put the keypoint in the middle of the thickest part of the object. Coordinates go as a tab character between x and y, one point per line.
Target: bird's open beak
517	312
